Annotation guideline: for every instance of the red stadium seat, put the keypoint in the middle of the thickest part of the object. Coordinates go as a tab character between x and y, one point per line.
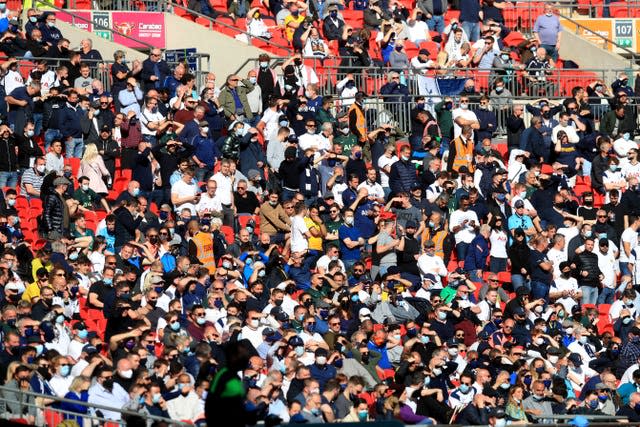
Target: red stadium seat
229	235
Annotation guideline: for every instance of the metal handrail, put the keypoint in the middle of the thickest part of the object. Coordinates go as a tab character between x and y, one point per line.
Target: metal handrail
231	27
633	56
87	404
95	25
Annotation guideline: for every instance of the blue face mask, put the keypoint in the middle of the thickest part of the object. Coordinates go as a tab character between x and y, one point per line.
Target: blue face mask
82	334
65	370
175	326
107	281
464	388
60	319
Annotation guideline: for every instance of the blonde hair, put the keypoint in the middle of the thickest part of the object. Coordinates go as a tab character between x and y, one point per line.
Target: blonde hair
90	153
11	370
78	382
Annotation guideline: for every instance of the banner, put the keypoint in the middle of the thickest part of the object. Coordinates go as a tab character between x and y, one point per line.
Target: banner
429	86
180	55
81	24
604	27
147	27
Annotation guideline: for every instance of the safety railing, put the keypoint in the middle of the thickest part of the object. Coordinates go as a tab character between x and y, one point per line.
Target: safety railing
217	24
77	18
101	69
396	109
633	56
30	408
120	5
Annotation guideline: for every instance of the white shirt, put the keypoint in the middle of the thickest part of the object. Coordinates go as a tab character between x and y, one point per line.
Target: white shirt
374	189
184	407
299	241
465	114
270	119
629	236
419	31
630	170
225	188
560	285
255	336
60	384
569	130
324	260
556	256
421	67
208	203
383	162
49	79
466	233
576	347
117	398
146	117
608	266
617	306
432	265
310	140
622	146
433	191
182	189
498	240
12	80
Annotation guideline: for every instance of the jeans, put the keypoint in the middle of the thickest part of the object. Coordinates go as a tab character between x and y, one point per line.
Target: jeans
496	265
461	250
551	51
8	179
606	296
472	29
51	135
436	23
287	194
37	122
624	269
589	294
151	139
473	276
203	174
518	280
74	148
539	290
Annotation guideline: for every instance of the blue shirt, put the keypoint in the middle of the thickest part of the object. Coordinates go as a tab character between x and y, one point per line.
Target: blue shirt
547	28
353	234
384	362
517	221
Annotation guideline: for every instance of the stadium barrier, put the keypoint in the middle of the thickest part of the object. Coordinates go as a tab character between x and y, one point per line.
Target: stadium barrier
49	415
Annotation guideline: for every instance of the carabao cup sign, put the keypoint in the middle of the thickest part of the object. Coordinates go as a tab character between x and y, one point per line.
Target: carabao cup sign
146	27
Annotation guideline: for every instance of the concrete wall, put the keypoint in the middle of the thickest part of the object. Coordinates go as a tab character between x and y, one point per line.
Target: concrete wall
226	53
105	47
588	55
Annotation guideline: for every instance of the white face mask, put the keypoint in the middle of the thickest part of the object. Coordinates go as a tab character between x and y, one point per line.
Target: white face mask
321	360
126	374
254	323
40	168
464	105
85	187
348	220
553	359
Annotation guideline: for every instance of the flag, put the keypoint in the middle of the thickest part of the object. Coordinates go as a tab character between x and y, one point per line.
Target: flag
433	88
450	87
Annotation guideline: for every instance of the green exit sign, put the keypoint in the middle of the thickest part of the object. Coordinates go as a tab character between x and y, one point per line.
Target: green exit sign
625	42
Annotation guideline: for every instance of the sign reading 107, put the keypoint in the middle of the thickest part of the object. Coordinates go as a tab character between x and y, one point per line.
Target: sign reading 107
623	32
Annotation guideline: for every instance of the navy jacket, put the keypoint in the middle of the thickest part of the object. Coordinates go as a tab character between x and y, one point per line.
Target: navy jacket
148	70
70	121
402	177
477	254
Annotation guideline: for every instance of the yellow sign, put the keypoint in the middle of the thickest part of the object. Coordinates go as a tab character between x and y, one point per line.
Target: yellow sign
603	27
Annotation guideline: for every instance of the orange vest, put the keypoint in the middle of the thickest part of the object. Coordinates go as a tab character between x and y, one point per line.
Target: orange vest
464	155
438	239
361	122
204	250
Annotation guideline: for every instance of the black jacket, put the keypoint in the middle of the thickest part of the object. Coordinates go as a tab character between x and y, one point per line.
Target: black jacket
148	71
587	261
331	30
8	156
27	148
109	150
51	115
53	213
169	161
599	166
125	226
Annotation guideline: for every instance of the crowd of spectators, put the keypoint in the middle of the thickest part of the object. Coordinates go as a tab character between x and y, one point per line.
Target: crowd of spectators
252	247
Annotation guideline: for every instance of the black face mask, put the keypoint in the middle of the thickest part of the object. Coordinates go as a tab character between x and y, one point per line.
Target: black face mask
108	384
44	372
365	358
